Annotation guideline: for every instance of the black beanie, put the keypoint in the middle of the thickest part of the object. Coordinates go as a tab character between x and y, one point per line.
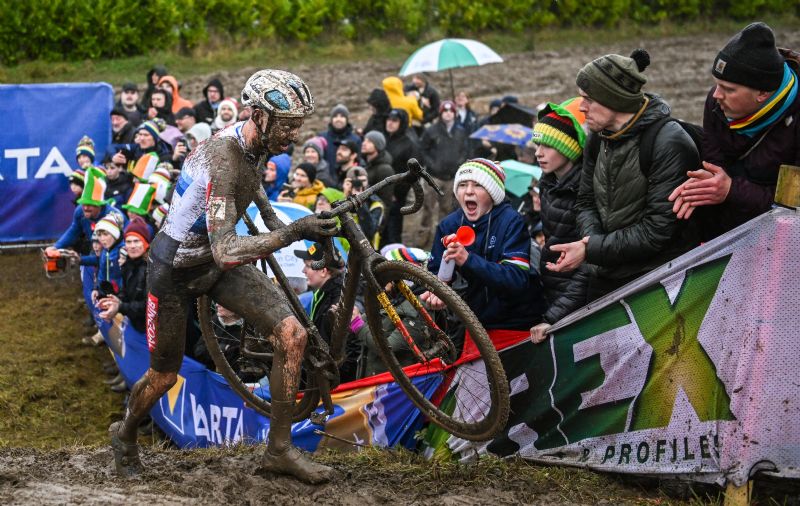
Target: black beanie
750	58
309	169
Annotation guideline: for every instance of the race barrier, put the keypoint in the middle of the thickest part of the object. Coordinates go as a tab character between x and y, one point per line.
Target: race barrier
690	371
44	124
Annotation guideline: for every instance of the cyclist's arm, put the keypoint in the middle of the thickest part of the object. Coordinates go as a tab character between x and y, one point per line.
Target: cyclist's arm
271	219
229	249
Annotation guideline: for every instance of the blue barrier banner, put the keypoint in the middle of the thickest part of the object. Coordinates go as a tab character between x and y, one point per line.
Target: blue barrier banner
44	123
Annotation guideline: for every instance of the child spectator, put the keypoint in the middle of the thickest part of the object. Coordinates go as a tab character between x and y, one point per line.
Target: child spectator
84	153
109	276
493	275
559	140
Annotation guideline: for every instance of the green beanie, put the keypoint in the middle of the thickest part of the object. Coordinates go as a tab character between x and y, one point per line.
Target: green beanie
615	81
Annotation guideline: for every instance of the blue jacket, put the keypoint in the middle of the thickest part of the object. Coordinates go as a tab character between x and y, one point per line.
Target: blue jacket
502	290
107	264
80	225
283	163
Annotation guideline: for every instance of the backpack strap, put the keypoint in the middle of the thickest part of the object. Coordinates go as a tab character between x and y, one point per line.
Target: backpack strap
648	140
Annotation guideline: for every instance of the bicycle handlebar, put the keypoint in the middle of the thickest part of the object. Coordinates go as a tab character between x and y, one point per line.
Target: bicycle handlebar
412	177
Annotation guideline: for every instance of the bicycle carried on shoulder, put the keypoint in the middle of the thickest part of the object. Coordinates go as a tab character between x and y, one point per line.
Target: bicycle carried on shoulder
479	408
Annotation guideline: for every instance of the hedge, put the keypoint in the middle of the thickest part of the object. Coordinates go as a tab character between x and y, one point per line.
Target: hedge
80	29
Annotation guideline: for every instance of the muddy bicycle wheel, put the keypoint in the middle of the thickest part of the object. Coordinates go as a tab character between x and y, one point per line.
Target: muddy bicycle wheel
479	407
213	342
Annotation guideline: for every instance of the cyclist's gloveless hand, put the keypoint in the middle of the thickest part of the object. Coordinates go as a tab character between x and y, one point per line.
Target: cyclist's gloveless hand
314	228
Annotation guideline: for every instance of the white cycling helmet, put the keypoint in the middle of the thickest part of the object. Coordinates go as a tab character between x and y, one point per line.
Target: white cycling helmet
278	92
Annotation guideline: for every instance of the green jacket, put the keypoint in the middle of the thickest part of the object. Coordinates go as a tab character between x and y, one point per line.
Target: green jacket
409	316
627	215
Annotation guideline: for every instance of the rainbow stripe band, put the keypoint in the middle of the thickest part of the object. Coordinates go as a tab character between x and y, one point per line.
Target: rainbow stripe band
553	137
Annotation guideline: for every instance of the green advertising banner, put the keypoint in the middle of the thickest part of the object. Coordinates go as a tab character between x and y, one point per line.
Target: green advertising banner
690	370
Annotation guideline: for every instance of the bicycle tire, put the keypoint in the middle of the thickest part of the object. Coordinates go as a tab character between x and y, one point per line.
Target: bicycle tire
495	414
303	408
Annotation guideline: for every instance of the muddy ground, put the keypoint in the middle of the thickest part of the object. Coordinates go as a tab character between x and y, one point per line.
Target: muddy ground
680	71
73	466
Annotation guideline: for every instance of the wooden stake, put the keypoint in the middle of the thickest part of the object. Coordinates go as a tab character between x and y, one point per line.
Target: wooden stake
737	496
787	191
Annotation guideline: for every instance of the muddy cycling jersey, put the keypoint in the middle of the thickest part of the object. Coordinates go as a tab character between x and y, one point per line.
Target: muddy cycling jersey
219	180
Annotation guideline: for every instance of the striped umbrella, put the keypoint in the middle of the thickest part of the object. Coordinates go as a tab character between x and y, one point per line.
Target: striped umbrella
448	54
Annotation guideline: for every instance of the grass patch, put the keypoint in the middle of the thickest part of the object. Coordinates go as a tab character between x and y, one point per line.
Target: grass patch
51	390
222	55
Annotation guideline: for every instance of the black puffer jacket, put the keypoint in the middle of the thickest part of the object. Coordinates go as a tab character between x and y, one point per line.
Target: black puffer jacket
133	296
565	291
627	215
444	151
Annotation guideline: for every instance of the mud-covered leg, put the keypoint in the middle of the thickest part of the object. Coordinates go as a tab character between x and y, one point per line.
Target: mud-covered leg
145	393
166	334
247	292
281	455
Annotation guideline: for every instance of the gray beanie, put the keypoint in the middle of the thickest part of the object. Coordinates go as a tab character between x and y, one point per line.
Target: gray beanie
377	139
340	109
615	81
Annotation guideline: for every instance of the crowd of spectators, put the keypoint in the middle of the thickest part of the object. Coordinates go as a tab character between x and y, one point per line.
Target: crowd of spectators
623	190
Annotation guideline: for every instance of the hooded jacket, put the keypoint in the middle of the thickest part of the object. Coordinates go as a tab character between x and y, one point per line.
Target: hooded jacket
205	111
159	70
393	87
502	290
564	291
283	163
178	102
627	216
308	196
380	101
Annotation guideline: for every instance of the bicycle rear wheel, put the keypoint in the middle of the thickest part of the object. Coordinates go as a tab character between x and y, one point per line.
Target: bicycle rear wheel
303	408
479	407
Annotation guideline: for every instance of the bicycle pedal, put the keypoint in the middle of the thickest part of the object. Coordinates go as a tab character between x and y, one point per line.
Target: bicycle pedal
318	418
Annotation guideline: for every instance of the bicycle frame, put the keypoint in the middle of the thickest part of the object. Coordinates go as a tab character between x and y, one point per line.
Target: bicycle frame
325	360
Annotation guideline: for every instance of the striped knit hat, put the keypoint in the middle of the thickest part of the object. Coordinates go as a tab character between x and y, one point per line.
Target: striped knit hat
161	181
85	147
150	127
144	167
159	213
94	188
413	255
109	224
559	129
141	199
487	174
77	176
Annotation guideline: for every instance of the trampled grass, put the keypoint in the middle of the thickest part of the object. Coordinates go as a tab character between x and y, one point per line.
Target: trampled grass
51	390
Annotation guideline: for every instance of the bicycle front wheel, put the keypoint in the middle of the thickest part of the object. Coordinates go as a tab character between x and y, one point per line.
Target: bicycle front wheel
478	404
223	364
